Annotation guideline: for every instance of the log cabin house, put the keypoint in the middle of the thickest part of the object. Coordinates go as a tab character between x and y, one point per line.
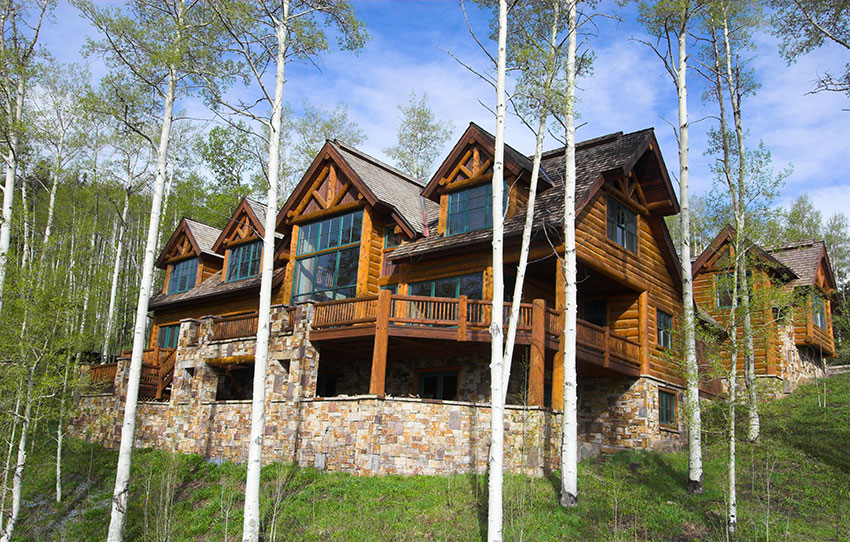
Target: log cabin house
790	288
379	346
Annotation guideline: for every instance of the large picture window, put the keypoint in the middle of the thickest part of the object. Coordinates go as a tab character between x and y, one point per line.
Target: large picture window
472	286
470	209
327	259
622	225
244	261
183	275
167	337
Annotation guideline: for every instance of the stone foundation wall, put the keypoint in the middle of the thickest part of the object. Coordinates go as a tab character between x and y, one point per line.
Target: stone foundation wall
798	363
365	434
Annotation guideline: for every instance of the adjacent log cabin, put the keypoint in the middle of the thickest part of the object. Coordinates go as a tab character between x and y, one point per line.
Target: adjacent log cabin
379	342
790	287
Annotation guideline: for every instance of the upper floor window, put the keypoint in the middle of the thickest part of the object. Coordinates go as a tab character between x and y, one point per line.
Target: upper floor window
183	276
327	259
469	285
664	323
470	209
167	337
819	311
244	261
330	233
622	225
723	286
391	238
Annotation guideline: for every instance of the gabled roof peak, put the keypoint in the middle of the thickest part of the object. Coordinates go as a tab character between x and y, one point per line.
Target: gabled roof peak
381	164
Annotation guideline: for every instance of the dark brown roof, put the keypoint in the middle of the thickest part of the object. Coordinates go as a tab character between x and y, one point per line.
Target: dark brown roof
593	158
803	257
205	236
388	184
212	287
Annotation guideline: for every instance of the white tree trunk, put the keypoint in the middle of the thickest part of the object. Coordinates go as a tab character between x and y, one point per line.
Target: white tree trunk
5	488
116	271
60	433
51	202
25	249
732	488
740	217
18	478
251	522
9	193
569	429
691	368
128	428
513	322
497	404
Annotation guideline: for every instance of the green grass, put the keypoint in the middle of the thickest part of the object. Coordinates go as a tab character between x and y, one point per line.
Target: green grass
802	463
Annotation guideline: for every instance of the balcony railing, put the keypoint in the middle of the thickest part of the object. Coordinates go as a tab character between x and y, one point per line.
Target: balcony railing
103	373
234	327
608	346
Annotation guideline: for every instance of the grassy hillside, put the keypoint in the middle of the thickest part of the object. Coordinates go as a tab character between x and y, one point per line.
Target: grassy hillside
793	485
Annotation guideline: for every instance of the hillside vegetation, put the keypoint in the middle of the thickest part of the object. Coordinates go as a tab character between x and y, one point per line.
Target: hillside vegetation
793	485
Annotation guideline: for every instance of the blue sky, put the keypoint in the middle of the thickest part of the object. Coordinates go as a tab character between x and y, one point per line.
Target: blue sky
629	90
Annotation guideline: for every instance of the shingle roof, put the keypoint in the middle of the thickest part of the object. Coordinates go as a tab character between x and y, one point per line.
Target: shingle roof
389	185
593	157
803	257
259	210
213	286
205	236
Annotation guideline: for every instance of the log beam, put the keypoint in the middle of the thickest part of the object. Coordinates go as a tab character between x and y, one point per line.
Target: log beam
377	382
538	353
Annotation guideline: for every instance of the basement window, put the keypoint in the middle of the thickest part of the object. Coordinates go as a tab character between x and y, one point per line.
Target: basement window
667	408
439	384
235	383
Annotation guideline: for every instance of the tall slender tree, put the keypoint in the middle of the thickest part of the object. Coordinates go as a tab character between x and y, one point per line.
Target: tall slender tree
420	138
669	21
262	34
19	32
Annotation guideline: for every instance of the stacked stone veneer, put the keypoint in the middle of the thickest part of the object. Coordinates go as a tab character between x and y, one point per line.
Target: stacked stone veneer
366	434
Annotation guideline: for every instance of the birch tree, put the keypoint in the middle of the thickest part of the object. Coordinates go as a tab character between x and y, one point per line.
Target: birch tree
155	44
497	402
268	34
19	33
421	137
669	22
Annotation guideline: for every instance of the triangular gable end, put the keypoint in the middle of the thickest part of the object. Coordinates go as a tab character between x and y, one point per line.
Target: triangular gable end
328	183
243	225
470	160
824	277
720	247
181	245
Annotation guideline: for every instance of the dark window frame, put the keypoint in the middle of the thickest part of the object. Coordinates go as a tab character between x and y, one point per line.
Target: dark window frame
335	238
183	276
664	328
819	311
622	225
459	201
392	239
244	260
667	408
458	280
440	373
166	335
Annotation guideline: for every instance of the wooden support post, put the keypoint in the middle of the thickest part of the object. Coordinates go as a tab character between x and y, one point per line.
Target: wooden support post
643	330
538	353
606	346
558	365
379	355
461	318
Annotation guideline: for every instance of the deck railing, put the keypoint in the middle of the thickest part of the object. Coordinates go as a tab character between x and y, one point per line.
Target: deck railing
234	327
608	345
157	371
103	373
345	312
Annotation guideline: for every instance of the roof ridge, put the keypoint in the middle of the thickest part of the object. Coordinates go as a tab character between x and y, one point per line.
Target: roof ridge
594	141
797	244
380	163
189	219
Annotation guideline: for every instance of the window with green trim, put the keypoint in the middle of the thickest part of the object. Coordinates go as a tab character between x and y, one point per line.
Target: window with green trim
723	287
391	238
664	323
666	408
183	275
167	337
470	209
622	225
327	259
393	288
244	261
438	385
472	286
818	311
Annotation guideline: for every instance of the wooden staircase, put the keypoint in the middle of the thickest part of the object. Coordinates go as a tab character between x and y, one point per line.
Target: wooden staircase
157	373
